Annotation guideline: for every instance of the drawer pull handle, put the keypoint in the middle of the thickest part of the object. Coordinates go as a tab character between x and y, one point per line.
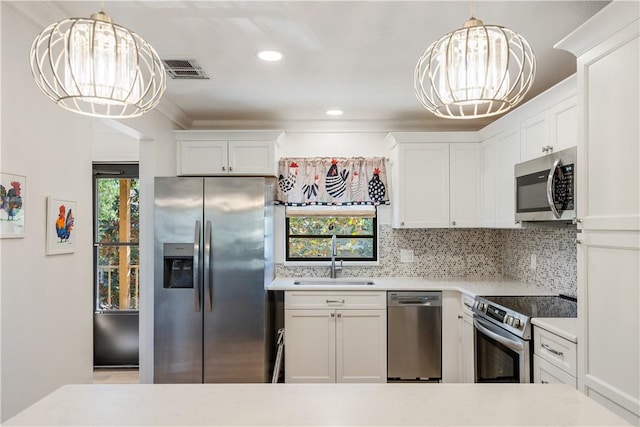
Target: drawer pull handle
468	305
335	301
545	382
549	349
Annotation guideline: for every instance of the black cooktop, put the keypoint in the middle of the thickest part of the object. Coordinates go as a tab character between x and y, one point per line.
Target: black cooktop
538	306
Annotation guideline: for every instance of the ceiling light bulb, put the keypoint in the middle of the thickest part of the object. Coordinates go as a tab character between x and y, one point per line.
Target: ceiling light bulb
334	112
270	55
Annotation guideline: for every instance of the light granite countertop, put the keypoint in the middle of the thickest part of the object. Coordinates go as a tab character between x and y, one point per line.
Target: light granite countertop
470	287
316	405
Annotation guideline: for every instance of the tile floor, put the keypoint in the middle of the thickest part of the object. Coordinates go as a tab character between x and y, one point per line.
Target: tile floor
115	376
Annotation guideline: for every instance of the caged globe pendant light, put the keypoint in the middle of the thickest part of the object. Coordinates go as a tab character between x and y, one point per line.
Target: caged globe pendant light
97	68
475	71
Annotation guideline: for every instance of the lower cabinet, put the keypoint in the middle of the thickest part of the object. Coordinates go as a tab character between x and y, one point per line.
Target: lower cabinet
325	343
554	358
458	346
468	342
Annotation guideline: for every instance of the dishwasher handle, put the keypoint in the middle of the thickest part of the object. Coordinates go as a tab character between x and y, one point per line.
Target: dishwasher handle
419	299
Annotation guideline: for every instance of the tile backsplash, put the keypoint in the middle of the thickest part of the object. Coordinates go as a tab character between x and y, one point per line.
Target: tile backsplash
469	253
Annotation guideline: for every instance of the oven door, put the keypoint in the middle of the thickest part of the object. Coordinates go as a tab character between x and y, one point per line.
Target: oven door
500	357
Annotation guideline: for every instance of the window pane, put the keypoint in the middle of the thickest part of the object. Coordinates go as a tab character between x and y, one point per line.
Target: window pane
353	226
118	265
117	216
300	247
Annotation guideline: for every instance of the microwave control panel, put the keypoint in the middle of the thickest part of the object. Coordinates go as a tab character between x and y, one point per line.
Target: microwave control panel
563	188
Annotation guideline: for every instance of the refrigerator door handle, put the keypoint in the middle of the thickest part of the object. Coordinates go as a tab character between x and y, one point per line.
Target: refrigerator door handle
207	267
196	265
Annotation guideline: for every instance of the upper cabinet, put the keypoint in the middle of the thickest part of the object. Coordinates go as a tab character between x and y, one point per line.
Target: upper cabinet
551	130
435	184
203	153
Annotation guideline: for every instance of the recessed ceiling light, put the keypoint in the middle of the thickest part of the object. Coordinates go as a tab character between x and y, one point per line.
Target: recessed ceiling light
333	112
270	55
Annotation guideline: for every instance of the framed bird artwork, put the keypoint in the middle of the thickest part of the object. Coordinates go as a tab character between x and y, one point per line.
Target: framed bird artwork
13	196
61	232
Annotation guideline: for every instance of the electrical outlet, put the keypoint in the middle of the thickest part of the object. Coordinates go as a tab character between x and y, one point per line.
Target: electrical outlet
534	262
406	255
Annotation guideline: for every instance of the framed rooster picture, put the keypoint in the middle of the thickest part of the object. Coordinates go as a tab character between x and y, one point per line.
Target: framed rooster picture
13	195
61	232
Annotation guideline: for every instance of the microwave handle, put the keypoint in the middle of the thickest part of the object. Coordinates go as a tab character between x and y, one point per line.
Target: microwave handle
552	173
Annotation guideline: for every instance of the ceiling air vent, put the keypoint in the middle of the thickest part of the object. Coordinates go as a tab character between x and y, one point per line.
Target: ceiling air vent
184	69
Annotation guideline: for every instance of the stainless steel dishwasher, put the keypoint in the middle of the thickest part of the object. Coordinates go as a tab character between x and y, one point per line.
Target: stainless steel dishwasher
414	336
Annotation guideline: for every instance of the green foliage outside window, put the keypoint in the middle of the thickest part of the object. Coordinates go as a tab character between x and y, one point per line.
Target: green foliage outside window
309	238
110	240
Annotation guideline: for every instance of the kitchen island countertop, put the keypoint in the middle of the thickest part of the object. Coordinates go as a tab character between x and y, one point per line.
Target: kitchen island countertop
316	405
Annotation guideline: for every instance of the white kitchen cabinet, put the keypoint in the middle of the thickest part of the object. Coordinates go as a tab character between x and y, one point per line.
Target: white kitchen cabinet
339	337
464	182
468	340
549	131
203	153
436	184
458	345
547	373
609	300
451	338
555	358
422	192
499	155
607	48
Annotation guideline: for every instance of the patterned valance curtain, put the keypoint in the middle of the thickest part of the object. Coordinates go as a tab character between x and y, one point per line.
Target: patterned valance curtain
332	181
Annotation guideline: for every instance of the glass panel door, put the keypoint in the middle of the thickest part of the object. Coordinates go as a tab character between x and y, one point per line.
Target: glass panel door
116	255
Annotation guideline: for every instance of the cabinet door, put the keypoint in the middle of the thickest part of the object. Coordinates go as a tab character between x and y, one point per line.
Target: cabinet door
609	298
424	185
508	154
361	346
545	373
252	158
489	179
468	350
202	158
309	351
563	125
534	133
608	190
451	339
464	197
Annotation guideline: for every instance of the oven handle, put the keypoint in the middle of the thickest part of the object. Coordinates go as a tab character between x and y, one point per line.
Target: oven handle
513	345
550	195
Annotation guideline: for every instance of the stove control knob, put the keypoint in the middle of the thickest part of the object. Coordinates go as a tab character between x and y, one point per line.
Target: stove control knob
515	322
508	319
481	306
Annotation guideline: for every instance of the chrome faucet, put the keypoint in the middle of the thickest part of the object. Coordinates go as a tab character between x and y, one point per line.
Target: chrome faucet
334	253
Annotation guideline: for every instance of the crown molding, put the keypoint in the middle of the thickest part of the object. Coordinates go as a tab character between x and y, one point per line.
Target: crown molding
175	114
324	126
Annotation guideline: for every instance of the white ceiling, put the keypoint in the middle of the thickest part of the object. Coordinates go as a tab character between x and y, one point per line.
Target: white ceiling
354	55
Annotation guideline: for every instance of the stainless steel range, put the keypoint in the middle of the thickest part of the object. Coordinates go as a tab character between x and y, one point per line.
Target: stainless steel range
503	349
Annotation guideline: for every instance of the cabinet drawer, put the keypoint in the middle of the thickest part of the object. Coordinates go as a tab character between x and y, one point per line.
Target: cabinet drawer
556	350
467	304
546	373
364	300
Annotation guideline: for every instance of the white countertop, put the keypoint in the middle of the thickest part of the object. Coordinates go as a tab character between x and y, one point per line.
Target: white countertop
315	405
468	286
567	328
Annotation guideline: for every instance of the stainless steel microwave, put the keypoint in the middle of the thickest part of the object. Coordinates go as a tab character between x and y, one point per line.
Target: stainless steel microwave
546	188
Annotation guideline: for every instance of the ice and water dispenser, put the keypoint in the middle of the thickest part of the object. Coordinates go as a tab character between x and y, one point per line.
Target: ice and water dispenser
178	265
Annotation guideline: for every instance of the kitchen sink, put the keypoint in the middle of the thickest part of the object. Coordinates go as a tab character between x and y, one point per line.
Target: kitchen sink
333	282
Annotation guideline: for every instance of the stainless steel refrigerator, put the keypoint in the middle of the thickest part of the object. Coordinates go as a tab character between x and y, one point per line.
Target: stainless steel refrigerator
213	254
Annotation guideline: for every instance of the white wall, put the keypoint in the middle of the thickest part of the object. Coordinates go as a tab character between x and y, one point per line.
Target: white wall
46	331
